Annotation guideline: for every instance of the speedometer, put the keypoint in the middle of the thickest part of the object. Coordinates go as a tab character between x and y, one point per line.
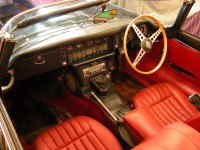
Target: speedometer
69	47
89	43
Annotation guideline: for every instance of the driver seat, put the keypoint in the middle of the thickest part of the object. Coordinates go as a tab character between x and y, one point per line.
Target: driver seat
167	104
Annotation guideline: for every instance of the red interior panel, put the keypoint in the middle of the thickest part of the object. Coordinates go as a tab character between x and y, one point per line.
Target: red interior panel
178	54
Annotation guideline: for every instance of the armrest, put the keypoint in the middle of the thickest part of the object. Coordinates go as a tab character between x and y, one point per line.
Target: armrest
194	122
142	122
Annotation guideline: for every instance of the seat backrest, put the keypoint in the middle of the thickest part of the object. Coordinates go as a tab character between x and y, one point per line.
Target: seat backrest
166	102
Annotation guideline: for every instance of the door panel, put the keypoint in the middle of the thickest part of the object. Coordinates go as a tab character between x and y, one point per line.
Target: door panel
186	59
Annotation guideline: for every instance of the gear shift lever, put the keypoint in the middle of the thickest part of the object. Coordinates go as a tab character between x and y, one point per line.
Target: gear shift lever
100	84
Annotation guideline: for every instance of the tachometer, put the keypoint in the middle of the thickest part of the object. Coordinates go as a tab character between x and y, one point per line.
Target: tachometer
89	43
79	45
69	47
143	28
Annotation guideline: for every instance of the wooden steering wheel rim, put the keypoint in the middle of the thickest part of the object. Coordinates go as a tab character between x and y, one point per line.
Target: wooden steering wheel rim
164	41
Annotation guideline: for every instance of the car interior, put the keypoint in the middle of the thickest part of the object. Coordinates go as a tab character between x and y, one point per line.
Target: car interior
116	84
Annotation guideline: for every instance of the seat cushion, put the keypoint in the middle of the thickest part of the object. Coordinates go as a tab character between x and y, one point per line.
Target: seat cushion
77	134
166	102
176	136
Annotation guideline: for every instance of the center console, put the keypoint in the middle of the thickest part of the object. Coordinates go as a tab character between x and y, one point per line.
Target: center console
90	76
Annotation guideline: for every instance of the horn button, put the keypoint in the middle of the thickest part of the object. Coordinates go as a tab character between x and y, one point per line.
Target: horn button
147	45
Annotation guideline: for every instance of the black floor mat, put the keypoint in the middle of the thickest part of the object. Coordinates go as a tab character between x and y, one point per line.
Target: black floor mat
125	85
29	112
29	117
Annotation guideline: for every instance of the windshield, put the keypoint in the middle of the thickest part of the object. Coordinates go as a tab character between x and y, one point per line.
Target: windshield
161	9
164	10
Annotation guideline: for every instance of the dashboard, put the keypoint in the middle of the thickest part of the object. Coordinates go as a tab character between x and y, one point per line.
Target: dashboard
86	54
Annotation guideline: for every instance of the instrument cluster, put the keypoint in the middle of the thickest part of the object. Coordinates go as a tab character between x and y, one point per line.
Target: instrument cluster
83	50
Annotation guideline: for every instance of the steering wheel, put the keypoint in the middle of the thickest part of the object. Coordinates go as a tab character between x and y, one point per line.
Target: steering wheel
146	44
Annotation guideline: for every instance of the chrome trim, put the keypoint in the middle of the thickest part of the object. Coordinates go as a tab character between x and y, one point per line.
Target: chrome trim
11	82
8	130
104	107
31	10
189	1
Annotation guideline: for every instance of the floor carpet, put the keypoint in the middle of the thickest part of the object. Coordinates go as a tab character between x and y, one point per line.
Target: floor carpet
126	86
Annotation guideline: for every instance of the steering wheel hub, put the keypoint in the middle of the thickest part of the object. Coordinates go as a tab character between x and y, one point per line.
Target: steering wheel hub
147	45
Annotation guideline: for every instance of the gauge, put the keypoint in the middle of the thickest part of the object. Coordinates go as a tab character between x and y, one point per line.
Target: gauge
122	36
101	48
69	47
94	50
83	54
79	55
97	40
105	45
89	43
97	49
106	38
79	45
89	52
143	28
130	33
74	56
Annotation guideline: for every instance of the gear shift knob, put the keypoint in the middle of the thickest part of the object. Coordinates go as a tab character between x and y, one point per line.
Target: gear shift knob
100	84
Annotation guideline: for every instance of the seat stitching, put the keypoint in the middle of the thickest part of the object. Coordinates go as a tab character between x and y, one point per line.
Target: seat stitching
180	103
88	140
159	91
141	100
171	118
73	128
170	92
80	142
159	101
52	138
60	135
45	142
75	140
183	107
183	114
86	134
81	126
188	113
95	134
150	97
66	132
156	90
161	120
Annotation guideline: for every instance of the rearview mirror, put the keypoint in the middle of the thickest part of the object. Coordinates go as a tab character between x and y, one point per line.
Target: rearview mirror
105	16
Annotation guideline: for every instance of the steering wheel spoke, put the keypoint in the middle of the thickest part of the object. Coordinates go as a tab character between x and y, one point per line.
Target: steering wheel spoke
138	32
146	44
139	57
155	35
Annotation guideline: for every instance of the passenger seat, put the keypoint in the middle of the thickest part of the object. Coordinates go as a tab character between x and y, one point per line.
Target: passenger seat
77	133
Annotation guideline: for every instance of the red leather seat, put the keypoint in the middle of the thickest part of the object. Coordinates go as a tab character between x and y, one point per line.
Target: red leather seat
77	134
166	104
176	136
